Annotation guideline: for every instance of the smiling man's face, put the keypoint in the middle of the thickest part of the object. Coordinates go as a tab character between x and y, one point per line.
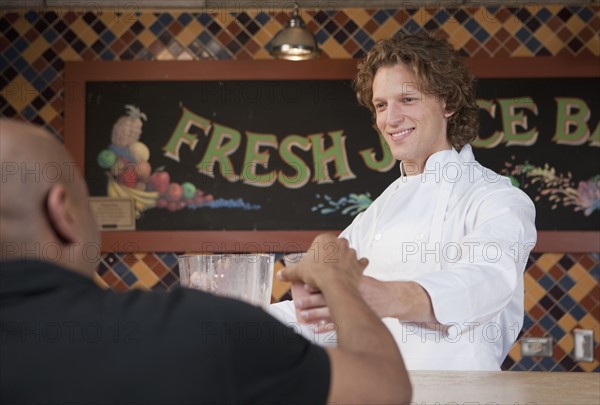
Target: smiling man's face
413	123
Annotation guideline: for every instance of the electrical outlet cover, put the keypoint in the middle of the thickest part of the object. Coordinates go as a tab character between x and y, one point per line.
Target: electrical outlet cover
583	345
536	346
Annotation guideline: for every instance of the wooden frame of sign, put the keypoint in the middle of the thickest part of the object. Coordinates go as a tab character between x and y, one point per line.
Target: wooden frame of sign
78	74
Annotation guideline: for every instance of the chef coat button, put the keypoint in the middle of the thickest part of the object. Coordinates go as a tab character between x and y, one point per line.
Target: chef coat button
419	236
378	236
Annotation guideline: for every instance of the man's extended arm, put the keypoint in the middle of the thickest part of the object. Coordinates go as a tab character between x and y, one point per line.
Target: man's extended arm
366	365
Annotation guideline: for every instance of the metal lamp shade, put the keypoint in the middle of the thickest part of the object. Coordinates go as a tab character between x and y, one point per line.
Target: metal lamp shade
294	42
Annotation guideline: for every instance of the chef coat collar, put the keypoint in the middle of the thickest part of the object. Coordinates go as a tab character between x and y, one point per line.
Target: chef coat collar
437	161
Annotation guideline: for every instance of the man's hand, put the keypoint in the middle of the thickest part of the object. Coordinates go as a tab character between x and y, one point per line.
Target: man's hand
366	351
379	295
329	263
311	306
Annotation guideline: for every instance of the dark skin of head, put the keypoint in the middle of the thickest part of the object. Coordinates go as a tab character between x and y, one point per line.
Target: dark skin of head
44	209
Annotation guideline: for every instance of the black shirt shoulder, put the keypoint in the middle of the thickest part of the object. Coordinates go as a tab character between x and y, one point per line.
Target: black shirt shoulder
184	346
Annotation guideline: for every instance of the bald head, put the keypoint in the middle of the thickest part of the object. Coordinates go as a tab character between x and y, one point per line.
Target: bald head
44	209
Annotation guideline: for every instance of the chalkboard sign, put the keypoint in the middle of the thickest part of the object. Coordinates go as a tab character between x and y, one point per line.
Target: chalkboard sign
296	152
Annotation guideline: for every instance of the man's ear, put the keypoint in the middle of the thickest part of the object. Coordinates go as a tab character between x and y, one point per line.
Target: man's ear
61	219
448	114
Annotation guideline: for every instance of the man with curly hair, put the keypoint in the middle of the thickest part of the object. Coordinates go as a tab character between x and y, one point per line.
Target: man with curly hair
448	241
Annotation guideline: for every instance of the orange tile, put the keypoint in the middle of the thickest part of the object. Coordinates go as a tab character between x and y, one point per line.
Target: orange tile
547	260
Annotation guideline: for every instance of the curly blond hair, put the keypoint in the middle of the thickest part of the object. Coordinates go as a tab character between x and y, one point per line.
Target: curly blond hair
441	73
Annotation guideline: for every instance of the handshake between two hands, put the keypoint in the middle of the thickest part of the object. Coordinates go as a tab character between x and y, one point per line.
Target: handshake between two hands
329	266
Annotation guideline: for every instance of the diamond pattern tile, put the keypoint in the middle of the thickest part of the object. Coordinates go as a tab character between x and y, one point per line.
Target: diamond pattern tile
561	290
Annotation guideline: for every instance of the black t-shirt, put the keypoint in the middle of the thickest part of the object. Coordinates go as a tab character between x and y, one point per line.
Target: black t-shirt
65	340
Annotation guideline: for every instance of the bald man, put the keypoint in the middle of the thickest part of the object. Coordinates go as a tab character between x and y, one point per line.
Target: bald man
64	340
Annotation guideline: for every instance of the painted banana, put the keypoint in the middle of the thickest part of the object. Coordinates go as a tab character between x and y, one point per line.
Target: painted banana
143	200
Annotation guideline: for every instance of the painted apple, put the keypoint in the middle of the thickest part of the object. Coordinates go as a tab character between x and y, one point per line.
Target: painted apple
174	192
160	182
189	190
107	158
143	170
128	177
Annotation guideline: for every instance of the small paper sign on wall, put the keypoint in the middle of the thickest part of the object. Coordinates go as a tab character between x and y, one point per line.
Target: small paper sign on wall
114	214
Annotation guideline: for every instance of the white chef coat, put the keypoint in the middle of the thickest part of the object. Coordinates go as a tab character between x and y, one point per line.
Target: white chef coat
463	233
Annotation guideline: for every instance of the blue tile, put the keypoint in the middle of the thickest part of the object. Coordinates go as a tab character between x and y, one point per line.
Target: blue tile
28	113
205	37
262	18
31	17
538	367
40	83
548	363
577	312
547	322
482	36
412	27
107	55
557	333
546	281
472	25
369	44
381	16
20	44
223	54
11	53
533	45
585	13
361	36
166	19
3	64
595	272
566	302
566	282
523	35
50	35
527	322
157	28
121	269
184	19
491	10
204	19
20	64
49	74
108	37
441	17
169	259
321	36
130	278
543	15
527	363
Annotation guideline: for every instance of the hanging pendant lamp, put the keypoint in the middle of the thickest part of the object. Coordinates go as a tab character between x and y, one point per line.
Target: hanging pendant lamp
294	42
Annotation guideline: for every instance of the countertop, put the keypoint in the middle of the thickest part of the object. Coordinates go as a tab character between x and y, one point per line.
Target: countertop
505	387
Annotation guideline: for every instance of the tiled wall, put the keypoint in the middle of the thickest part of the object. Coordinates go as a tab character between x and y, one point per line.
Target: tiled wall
562	290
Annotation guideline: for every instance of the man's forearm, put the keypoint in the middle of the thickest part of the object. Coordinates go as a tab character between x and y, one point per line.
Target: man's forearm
407	301
358	326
